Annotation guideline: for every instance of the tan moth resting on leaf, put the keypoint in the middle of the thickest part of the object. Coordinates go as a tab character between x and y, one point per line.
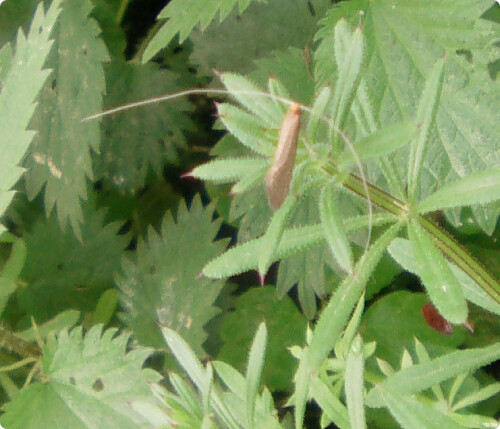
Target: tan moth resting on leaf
279	176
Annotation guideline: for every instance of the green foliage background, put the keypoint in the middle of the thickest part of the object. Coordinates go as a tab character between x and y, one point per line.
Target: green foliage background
104	247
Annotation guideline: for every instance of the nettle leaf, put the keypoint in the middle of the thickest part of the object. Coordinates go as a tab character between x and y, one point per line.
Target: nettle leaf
241	38
162	286
59	157
23	76
183	16
411	37
146	138
89	382
74	273
238	328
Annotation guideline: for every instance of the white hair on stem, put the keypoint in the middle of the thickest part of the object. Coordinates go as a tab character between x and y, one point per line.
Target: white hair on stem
286	101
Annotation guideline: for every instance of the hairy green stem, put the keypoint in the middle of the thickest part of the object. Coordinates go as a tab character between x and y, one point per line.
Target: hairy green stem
453	251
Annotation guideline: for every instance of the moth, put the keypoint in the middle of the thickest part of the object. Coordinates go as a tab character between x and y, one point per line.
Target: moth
280	173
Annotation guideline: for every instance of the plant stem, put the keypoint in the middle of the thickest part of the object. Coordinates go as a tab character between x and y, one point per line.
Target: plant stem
13	343
453	251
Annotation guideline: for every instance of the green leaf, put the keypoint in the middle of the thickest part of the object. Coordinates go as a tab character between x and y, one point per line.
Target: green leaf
440	282
254	371
105	307
194	369
229	170
149	136
59	158
329	403
238	328
161	285
247	129
349	73
424	375
183	16
480	395
81	374
401	250
253	98
271	240
478	188
334	229
426	117
336	313
354	387
21	83
412	414
73	274
245	256
380	143
343	347
318	110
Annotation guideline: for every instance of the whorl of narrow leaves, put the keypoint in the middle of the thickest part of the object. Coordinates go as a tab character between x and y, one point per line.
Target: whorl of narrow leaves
183	16
22	82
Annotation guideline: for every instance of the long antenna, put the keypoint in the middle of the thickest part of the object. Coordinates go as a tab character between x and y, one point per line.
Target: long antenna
286	101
